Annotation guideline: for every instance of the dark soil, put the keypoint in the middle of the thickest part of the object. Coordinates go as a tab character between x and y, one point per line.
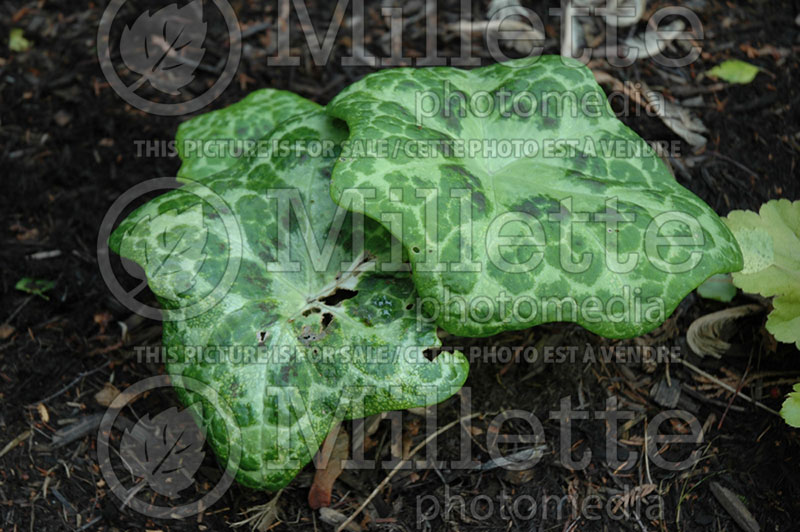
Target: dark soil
68	147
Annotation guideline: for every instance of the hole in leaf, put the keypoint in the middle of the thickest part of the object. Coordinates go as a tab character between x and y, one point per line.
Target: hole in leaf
310	311
326	319
306	336
415	249
431	354
409	306
338	295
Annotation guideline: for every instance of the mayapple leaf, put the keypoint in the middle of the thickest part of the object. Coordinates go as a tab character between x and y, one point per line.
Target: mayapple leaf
212	142
770	243
165	47
174	257
523	199
307	334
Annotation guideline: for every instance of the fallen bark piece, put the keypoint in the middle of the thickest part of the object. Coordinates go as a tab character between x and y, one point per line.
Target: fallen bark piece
666	394
734	506
334	518
76	431
707	334
106	395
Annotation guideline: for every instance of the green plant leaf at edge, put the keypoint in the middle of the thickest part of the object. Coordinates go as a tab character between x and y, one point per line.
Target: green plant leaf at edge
548	197
790	411
318	361
718	287
770	243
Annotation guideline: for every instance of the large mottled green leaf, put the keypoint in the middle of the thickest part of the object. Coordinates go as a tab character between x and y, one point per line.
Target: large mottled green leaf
543	243
770	242
293	348
215	141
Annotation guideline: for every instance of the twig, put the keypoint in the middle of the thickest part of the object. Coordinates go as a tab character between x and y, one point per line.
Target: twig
16	441
727	387
255	28
75	431
738	390
16	311
701	397
71	384
732	161
133	491
400	464
90	524
265	516
647	457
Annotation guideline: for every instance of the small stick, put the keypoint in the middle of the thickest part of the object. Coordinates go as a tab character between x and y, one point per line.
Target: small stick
71	384
400	464
727	387
732	161
738	390
16	311
16	441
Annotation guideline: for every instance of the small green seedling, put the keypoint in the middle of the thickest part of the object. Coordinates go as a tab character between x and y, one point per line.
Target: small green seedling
37	287
734	71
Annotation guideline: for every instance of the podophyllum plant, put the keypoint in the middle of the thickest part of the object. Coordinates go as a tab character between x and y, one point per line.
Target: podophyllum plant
339	326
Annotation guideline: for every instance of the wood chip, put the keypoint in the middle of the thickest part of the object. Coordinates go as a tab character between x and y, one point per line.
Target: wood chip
42	255
43	413
16	441
62	118
517	460
334	518
76	431
707	334
734	506
679	119
6	330
107	395
665	393
519	478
